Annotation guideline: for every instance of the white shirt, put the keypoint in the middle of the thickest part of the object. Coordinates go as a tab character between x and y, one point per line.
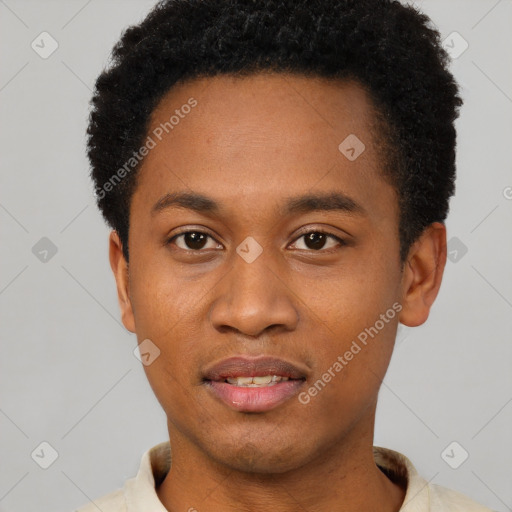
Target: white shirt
139	494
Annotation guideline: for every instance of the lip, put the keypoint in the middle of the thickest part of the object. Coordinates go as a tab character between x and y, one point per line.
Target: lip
254	399
243	366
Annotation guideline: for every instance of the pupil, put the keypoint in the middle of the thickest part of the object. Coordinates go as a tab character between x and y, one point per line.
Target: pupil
195	240
315	240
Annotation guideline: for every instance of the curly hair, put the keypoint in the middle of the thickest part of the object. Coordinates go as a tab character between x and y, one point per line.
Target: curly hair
392	50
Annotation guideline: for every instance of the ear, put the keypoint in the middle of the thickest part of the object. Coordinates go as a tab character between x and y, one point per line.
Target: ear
422	275
120	269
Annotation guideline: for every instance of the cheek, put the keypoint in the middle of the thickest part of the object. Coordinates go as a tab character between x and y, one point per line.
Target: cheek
174	374
167	312
349	370
163	301
353	319
343	300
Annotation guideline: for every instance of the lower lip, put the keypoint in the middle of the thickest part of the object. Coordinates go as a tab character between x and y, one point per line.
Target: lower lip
252	399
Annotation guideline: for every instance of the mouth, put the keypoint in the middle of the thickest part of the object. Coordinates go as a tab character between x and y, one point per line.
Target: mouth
257	381
254	384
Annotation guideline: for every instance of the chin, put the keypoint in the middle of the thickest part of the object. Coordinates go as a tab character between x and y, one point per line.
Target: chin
262	458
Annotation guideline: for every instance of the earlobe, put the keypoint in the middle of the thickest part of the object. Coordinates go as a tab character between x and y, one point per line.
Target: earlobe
120	269
422	276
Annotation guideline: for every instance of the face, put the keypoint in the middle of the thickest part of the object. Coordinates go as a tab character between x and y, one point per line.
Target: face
285	247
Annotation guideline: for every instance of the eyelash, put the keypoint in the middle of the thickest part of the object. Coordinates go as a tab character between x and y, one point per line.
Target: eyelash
340	241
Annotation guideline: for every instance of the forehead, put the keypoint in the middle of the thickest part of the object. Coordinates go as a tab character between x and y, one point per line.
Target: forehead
260	136
266	110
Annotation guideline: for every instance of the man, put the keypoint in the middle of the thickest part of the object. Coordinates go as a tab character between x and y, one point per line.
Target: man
276	175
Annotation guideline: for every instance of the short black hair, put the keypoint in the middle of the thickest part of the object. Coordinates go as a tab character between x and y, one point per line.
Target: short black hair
392	50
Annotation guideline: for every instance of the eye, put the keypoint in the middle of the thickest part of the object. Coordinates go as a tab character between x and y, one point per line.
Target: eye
194	241
316	241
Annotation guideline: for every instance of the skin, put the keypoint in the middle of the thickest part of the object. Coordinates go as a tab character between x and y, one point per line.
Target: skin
250	144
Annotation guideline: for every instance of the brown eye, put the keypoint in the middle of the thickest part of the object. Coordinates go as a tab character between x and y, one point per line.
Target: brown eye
315	240
194	241
318	240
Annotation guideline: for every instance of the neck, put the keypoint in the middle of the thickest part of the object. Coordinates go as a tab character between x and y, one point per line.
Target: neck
343	477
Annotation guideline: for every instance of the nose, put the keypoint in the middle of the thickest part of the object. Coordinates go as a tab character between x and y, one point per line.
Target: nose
253	298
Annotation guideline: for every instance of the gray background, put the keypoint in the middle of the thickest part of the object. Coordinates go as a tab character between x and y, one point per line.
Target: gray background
68	375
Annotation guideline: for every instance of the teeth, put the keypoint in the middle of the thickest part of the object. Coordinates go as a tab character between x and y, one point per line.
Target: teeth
255	382
242	381
263	380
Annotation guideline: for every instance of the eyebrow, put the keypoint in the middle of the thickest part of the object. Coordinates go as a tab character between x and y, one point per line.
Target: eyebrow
200	203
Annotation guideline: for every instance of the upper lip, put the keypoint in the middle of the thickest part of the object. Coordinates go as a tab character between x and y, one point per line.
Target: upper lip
243	366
